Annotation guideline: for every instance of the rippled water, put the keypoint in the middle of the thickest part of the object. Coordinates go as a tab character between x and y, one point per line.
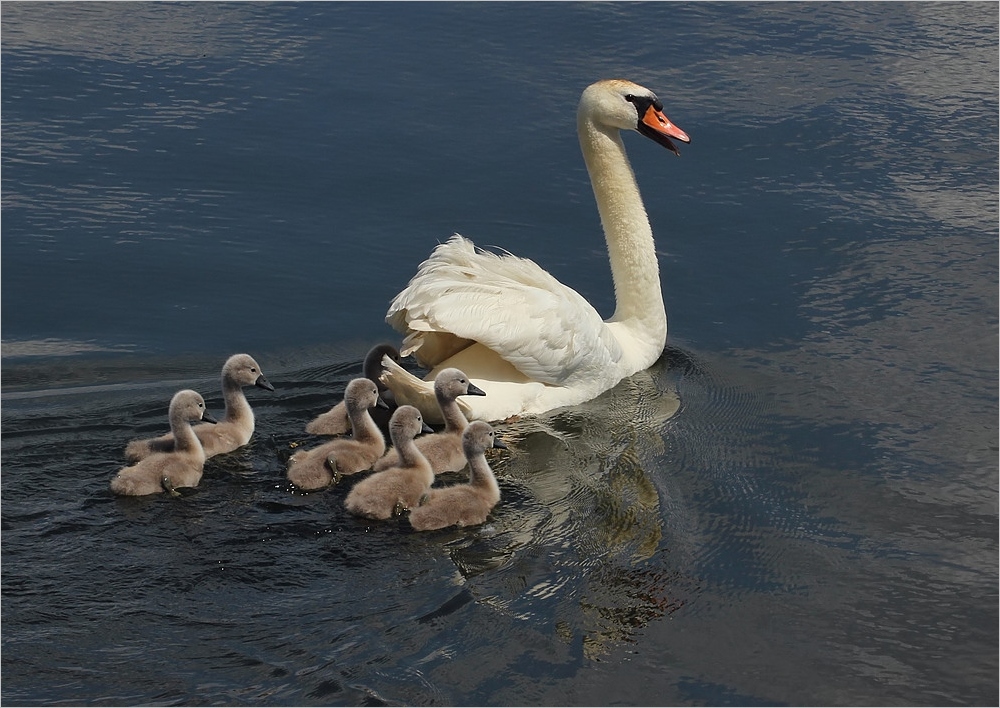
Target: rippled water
796	505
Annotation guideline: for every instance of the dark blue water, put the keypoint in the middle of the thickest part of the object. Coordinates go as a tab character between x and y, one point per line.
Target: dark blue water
796	505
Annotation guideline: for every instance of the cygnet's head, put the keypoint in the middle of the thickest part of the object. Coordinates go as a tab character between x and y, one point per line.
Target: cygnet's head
190	406
478	438
373	360
361	395
243	370
449	384
406	423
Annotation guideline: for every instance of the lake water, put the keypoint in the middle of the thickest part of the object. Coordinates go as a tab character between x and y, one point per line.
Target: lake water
796	505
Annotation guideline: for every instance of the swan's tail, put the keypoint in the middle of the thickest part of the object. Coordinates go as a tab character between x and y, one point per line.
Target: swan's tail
410	390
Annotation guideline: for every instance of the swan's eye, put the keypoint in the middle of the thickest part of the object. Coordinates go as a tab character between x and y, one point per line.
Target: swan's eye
630	98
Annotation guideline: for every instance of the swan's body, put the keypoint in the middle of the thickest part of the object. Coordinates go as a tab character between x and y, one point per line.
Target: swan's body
463	504
336	421
322	466
390	491
520	334
443	449
236	426
182	466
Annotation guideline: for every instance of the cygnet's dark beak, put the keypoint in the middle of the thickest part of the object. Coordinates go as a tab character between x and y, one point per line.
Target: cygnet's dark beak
207	417
474	390
379	403
263	383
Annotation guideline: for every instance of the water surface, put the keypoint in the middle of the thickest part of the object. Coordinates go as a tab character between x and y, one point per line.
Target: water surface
797	504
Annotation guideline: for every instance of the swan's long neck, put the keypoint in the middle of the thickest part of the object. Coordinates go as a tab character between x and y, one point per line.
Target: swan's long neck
631	248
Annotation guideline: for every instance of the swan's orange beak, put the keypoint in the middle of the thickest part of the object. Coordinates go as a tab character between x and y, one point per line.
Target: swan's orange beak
656	126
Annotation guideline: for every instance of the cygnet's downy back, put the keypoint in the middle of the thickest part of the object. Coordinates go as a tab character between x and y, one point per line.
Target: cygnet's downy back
321	466
463	504
165	471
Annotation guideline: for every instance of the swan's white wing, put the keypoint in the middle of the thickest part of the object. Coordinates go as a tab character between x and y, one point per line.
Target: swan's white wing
546	330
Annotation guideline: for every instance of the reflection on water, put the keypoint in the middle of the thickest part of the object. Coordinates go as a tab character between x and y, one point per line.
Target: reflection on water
54	347
586	477
150	33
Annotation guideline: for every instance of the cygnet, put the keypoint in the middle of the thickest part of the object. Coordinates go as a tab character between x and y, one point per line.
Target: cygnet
165	471
463	504
443	449
336	421
322	466
389	492
236	426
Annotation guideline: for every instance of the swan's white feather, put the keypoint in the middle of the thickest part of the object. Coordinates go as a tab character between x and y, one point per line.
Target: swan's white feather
544	329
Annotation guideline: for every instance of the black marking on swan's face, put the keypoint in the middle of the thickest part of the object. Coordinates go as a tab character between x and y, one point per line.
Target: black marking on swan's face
653	124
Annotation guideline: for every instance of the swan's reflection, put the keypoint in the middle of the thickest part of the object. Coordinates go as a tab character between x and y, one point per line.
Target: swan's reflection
589	536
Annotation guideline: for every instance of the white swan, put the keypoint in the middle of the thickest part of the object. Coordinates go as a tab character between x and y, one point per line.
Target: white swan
520	334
